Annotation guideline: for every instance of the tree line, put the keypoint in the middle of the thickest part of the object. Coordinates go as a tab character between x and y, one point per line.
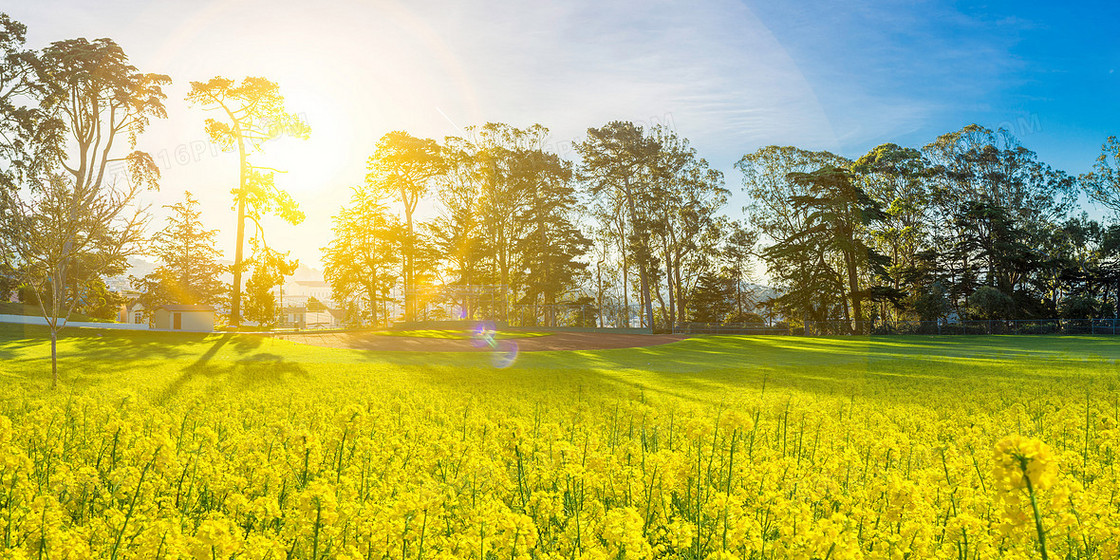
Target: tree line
492	224
971	226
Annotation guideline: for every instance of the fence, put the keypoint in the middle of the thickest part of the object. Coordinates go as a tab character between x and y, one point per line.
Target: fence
965	327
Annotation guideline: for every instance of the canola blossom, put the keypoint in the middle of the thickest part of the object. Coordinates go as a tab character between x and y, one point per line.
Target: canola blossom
502	464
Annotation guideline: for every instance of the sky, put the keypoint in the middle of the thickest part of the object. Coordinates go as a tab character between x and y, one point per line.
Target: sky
730	76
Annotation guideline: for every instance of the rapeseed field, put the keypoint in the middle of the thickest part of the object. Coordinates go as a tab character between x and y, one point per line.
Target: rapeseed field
232	446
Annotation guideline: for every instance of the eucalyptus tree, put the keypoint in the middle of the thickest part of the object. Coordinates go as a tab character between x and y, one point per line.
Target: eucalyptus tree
458	231
1103	183
994	201
899	178
405	167
361	260
617	159
253	112
688	198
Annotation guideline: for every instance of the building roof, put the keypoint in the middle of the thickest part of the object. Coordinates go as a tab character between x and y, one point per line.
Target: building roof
312	283
199	308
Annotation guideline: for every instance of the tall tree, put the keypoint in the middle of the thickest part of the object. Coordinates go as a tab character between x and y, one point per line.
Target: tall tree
899	178
837	211
360	260
254	113
617	158
766	182
404	167
688	197
457	232
551	243
189	271
63	233
30	139
1103	183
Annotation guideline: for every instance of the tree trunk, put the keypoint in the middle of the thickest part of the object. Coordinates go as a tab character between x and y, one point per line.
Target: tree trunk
625	287
235	300
670	286
853	290
643	275
54	355
599	298
371	292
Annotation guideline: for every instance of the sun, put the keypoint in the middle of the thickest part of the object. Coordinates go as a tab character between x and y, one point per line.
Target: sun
312	164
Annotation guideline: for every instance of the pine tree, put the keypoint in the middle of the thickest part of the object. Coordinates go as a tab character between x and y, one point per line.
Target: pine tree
190	272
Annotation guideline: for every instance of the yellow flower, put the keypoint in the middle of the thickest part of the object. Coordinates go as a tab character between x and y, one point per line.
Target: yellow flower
1019	460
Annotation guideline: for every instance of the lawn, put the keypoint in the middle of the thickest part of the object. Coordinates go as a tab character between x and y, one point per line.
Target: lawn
218	446
460	334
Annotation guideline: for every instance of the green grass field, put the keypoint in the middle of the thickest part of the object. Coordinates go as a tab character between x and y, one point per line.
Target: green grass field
162	445
459	334
703	366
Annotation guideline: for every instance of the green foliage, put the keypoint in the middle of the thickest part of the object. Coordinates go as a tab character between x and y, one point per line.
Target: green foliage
713	300
361	261
988	302
269	269
189	271
255	113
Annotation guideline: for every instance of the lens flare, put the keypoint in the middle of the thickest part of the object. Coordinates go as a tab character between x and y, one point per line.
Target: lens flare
504	354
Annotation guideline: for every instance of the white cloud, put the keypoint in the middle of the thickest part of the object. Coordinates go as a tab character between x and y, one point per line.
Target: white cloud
358	70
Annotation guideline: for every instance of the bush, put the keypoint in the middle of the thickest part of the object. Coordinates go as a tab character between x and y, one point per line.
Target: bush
990	303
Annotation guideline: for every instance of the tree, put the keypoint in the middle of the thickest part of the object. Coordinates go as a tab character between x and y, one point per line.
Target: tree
255	114
836	212
713	298
737	252
61	239
687	196
617	160
269	269
30	136
458	232
1103	183
62	233
898	177
359	262
769	189
551	242
990	303
403	166
189	272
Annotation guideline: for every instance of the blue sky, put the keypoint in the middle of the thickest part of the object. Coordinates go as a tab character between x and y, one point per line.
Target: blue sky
729	75
1046	70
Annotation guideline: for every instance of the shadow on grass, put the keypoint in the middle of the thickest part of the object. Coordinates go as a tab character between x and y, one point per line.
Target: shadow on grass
250	371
